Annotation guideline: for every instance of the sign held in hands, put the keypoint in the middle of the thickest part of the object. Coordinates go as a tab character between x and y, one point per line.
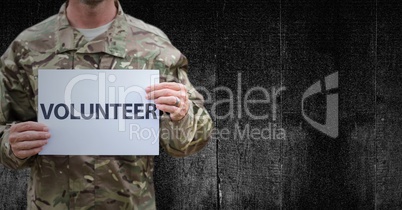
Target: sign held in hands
98	112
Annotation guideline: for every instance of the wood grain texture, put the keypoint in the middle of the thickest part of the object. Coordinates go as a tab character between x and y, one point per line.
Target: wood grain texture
323	37
13	185
389	103
309	157
357	83
249	166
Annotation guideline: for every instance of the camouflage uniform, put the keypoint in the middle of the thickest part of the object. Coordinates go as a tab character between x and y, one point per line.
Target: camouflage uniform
93	182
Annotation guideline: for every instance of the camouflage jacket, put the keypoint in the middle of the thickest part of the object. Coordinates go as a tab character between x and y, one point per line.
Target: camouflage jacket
93	182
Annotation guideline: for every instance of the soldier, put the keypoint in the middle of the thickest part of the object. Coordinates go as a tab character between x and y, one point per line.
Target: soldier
94	34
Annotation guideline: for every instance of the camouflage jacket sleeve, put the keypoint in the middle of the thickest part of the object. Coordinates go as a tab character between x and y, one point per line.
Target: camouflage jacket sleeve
13	106
192	133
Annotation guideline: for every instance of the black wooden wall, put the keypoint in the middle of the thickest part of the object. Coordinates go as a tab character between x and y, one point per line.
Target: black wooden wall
237	49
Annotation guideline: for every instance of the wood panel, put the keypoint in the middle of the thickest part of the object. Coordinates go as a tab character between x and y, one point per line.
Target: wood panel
323	37
249	166
389	103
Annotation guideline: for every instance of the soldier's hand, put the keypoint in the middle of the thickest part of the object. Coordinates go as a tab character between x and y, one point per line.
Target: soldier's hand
28	138
170	97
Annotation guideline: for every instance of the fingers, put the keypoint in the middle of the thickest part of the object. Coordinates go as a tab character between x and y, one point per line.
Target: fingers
28	126
28	138
162	93
168	108
176	113
166	85
166	89
172	105
169	100
22	154
170	97
29	145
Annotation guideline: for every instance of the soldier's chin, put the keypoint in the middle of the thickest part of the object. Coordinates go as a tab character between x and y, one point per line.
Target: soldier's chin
91	2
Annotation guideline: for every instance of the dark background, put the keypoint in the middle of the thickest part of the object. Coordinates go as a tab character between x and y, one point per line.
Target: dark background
269	44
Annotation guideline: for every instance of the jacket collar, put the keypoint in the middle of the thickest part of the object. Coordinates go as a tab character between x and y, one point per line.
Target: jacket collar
112	42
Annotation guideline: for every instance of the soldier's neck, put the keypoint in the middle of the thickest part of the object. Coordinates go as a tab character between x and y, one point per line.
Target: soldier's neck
81	15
